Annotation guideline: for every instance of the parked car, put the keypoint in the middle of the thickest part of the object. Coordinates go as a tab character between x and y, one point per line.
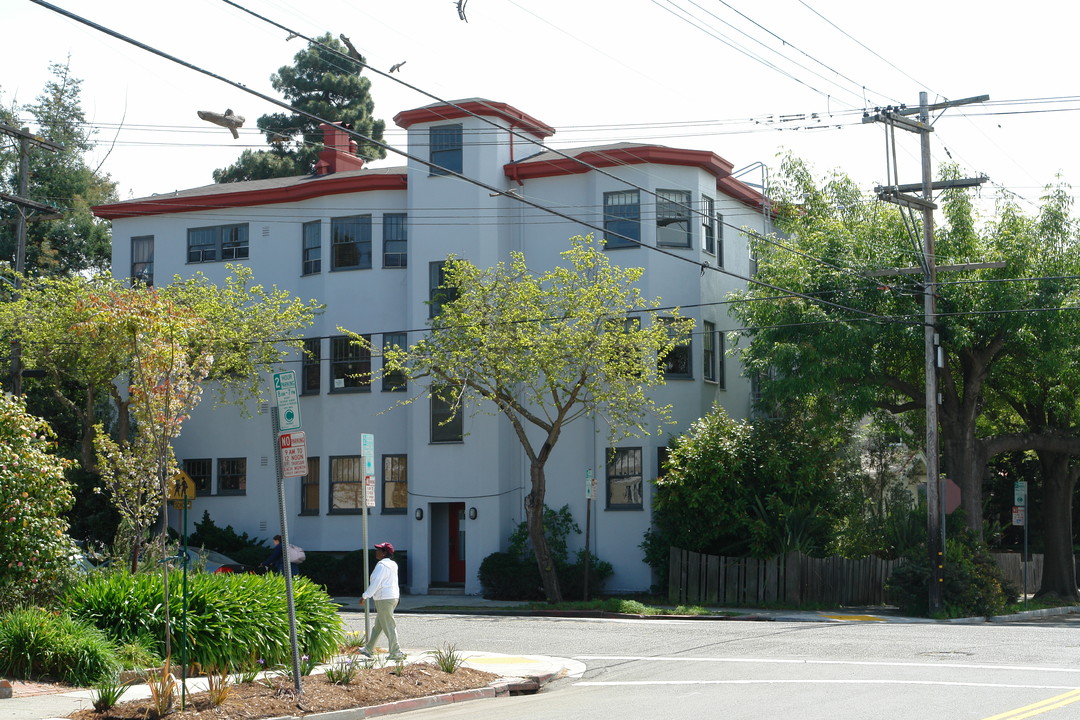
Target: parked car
215	562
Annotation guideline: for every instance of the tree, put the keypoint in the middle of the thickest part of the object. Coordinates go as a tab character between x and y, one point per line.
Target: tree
860	347
322	81
37	553
77	241
545	349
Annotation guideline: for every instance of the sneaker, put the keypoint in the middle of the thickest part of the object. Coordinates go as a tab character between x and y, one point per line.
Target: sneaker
365	652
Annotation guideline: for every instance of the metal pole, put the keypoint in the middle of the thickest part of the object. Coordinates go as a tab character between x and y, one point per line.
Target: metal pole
286	566
364	532
20	255
935	542
184	608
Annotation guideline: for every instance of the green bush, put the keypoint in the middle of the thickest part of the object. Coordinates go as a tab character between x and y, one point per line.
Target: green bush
504	576
232	618
225	540
973	584
38	643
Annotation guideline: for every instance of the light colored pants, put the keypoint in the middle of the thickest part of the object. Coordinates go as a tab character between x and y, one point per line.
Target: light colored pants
384	623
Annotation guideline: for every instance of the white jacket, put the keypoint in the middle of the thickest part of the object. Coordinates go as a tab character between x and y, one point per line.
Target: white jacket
384	583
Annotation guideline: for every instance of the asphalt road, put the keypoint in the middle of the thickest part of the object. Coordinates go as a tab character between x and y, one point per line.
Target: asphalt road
741	670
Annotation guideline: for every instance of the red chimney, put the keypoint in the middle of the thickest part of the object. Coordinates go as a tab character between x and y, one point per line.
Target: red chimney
340	152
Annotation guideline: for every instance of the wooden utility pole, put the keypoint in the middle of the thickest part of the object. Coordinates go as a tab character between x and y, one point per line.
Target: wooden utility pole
24	204
935	506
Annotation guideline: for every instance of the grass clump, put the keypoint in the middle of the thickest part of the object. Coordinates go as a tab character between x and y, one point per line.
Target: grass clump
38	643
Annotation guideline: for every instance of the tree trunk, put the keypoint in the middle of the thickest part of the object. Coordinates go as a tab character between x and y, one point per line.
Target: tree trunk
534	517
1059	569
964	462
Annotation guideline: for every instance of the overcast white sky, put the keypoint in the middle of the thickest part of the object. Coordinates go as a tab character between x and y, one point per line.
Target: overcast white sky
674	72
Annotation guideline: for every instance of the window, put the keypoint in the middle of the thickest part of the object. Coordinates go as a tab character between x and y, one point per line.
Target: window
142	260
395	245
708	351
721	379
199	471
677	362
708	225
445	143
309	488
673	218
443	428
218	243
624	479
395	473
312	240
346	485
350	365
311	367
393	381
232	476
720	239
350	243
622	216
437	294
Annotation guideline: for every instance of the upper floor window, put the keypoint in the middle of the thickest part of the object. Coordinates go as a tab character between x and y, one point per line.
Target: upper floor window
446	424
708	225
218	243
311	367
438	294
721	378
350	241
395	240
622	219
720	239
312	240
673	218
677	362
142	260
708	351
446	148
199	470
393	381
232	476
350	364
395	484
624	479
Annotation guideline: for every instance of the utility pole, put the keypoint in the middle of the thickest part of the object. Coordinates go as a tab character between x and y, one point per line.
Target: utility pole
935	506
24	204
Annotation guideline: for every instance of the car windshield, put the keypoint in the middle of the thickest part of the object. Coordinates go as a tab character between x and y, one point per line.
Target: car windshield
212	557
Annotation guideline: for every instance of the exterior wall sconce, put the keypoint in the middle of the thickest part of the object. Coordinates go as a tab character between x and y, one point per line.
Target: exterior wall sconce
472	513
419	513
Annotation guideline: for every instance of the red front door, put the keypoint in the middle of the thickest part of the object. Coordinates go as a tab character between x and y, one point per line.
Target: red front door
457	542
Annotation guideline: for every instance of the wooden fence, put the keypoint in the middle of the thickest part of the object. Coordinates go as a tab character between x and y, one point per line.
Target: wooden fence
792	579
795	579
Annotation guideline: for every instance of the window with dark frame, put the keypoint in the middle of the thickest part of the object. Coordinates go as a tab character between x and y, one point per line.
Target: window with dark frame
393	381
395	474
437	294
446	145
350	243
446	423
350	365
232	476
311	367
673	218
721	375
677	363
312	253
624	479
346	485
395	240
219	243
708	351
309	488
708	224
719	239
142	260
622	216
200	470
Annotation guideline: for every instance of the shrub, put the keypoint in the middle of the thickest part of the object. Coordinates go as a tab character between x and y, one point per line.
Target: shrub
504	576
973	583
231	618
38	643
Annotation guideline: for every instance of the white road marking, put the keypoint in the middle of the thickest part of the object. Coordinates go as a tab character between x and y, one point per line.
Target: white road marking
591	683
788	661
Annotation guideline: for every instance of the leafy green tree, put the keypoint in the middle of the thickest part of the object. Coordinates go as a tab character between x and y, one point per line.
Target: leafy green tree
546	349
36	555
77	241
321	82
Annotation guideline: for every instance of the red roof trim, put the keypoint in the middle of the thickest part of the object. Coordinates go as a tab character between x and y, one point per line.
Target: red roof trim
654	154
163	204
511	114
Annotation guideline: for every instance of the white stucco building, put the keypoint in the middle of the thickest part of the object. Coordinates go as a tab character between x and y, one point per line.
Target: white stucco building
368	243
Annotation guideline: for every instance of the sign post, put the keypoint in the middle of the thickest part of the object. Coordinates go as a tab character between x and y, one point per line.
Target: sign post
590	491
367	455
1020	502
287	418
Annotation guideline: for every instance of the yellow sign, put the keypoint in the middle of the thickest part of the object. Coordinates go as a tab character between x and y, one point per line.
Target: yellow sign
181	504
181	486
